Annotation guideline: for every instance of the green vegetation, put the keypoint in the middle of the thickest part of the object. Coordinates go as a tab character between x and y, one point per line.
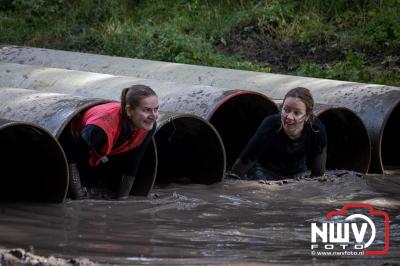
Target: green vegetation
337	39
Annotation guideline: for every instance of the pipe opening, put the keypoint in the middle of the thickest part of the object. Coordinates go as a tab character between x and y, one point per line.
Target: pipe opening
238	118
391	143
108	178
348	141
33	165
189	151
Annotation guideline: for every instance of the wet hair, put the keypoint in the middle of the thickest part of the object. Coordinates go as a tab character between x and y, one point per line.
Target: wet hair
132	96
305	96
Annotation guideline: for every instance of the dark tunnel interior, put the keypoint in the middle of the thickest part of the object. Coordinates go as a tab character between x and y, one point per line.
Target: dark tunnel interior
33	165
238	119
391	142
189	151
348	141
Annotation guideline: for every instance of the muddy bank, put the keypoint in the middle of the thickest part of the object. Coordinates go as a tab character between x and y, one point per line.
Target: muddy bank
285	56
282	56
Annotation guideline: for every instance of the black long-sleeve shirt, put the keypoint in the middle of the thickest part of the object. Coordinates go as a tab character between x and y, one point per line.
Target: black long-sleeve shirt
274	150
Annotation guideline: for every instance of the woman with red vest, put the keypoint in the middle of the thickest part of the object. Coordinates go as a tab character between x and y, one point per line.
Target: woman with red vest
109	140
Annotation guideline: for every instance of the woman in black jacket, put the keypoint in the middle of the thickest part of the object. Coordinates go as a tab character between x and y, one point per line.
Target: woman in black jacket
287	144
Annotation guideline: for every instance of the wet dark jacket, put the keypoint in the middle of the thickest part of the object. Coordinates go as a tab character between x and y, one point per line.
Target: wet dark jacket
275	151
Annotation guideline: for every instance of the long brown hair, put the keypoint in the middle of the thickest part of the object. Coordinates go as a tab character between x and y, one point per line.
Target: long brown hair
132	96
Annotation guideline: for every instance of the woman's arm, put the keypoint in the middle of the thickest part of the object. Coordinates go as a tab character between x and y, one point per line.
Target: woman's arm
318	150
133	157
239	169
130	166
318	163
254	148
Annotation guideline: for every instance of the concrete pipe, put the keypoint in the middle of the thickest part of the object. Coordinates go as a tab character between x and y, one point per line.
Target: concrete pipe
349	145
55	112
377	106
235	114
189	149
33	164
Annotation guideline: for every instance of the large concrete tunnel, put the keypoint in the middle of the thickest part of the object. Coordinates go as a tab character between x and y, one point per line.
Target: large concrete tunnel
235	114
389	138
377	105
189	147
348	141
33	164
55	112
189	150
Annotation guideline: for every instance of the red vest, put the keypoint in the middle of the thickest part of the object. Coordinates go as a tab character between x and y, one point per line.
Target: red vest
107	116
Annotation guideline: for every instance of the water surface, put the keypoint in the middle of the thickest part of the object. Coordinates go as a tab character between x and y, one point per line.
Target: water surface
230	222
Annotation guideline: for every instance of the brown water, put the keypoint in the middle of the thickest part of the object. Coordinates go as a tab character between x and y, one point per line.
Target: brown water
230	222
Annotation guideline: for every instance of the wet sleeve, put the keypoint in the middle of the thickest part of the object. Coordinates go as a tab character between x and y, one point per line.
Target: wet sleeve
259	142
318	164
320	137
318	152
132	158
91	137
94	137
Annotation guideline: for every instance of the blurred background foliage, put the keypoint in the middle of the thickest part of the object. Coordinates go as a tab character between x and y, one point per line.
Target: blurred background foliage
335	39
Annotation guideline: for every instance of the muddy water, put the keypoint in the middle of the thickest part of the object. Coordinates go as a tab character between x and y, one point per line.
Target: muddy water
231	222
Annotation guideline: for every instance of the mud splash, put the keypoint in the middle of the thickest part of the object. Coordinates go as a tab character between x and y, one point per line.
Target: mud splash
231	222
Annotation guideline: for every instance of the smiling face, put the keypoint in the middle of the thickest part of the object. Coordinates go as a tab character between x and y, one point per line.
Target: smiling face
293	116
145	114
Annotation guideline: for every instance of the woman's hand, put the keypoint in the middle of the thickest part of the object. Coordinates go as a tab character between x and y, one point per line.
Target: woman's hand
232	175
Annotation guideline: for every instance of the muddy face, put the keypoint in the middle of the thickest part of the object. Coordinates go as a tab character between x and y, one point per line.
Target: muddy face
293	116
